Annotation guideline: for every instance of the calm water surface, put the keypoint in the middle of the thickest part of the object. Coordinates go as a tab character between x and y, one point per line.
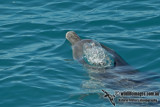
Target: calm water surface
36	65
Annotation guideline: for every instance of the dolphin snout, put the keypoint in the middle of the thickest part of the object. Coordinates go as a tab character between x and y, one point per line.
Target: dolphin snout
72	37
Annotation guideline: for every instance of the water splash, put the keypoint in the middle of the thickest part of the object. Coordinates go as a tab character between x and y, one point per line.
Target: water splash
95	55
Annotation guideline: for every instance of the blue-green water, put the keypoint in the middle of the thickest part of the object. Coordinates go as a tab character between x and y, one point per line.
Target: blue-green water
36	65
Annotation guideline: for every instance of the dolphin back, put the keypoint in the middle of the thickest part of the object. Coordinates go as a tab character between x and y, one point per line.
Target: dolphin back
117	58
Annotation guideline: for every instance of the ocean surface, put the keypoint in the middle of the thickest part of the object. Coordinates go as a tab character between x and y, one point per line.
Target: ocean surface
36	64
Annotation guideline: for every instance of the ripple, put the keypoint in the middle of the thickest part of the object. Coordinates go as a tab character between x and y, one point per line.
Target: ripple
33	49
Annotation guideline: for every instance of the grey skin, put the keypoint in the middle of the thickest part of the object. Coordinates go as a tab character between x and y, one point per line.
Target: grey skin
77	48
73	38
114	75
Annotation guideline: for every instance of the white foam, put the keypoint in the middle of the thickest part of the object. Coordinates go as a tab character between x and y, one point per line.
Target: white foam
95	55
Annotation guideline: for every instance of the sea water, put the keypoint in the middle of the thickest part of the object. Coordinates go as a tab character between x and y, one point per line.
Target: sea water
36	64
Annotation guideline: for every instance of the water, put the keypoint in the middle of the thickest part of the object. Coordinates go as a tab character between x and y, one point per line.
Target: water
36	65
96	56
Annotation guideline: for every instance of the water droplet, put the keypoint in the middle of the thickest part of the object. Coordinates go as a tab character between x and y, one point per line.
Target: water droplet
95	55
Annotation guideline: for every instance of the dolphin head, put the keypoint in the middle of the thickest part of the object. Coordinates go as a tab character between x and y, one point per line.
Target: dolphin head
72	37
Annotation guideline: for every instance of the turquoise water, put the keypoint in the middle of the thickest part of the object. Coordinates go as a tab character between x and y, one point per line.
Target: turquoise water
36	64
